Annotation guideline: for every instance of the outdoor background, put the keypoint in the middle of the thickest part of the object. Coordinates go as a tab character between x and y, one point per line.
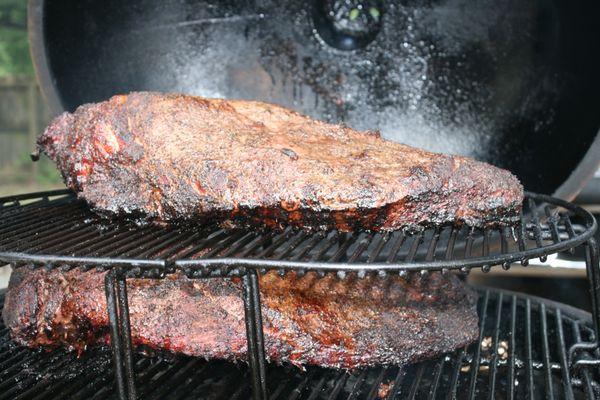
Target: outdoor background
23	112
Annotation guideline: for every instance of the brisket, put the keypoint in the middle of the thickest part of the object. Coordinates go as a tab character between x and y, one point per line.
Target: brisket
307	320
171	157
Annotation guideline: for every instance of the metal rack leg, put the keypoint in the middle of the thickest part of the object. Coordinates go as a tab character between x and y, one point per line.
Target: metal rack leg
110	287
254	335
120	334
593	273
593	270
125	331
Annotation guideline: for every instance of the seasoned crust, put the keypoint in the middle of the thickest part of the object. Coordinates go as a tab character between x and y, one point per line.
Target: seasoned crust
174	157
309	320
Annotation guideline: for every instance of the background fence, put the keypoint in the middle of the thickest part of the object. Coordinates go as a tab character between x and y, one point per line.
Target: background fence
23	115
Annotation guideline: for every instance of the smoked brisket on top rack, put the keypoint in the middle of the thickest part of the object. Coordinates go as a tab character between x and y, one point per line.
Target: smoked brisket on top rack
171	157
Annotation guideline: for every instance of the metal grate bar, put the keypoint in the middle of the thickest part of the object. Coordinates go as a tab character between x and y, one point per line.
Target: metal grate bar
302	385
562	353
146	248
569	228
341	251
97	388
48	384
537	230
238	237
433	245
241	388
107	239
12	363
45	218
282	384
417	240
148	373
316	390
494	358
228	383
79	235
486	242
253	246
112	241
73	388
127	244
162	376
14	371
360	249
8	351
511	356
437	374
477	356
451	244
397	383
504	233
380	245
552	224
396	247
8	210
205	243
328	244
528	347
546	351
46	237
23	217
455	374
521	234
168	252
45	366
357	384
469	243
586	374
314	240
277	242
32	228
175	380
416	383
232	380
291	245
251	240
375	385
340	381
164	243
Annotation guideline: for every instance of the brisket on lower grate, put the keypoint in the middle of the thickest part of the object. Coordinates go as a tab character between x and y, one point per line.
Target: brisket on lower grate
307	320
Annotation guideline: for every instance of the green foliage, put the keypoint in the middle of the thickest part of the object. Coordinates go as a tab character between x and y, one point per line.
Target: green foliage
47	174
14	44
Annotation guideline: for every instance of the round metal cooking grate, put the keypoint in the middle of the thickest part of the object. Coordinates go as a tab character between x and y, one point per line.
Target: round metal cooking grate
56	229
522	351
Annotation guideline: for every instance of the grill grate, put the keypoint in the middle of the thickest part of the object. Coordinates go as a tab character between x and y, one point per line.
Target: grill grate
550	352
60	230
532	363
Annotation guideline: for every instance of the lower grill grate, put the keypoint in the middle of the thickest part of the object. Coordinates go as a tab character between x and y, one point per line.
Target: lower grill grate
522	353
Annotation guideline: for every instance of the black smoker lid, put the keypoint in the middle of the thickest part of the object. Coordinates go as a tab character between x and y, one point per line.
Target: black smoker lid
510	82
